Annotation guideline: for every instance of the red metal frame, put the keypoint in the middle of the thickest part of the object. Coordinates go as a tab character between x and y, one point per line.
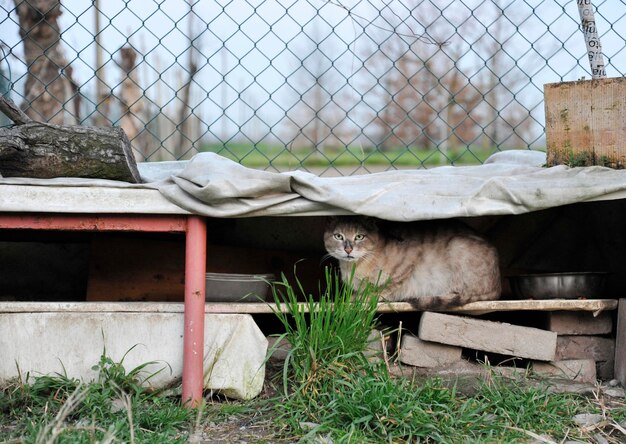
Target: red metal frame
195	268
71	222
195	283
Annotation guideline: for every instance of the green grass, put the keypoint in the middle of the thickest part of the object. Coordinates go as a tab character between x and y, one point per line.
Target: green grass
329	337
55	408
263	155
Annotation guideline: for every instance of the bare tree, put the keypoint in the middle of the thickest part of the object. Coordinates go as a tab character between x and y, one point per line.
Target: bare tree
446	96
132	103
49	87
507	121
103	93
186	137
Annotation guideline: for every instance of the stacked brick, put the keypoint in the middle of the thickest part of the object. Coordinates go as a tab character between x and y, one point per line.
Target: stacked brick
583	340
574	345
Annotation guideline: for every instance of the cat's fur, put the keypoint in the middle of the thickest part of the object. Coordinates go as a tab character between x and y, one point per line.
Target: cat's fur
433	265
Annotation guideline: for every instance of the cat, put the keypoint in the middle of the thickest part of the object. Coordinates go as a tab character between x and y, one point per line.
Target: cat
432	265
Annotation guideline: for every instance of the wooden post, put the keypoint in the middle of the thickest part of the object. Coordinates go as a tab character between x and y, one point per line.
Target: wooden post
620	343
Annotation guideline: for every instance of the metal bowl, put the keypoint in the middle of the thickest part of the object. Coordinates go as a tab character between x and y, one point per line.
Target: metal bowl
583	285
232	287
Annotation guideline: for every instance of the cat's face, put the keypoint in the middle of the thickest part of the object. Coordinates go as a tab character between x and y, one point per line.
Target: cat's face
350	241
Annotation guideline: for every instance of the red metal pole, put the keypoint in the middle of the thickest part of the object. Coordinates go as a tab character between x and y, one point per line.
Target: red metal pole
193	336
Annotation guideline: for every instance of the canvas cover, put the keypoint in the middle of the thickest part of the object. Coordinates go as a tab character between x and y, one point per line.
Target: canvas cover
510	182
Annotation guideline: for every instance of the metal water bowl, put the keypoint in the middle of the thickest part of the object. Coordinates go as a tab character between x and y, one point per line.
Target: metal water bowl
577	285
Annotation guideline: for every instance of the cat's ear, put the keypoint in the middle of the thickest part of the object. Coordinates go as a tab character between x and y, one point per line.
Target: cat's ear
331	221
370	223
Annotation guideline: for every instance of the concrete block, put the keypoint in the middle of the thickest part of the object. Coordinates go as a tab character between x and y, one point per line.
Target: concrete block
579	323
579	370
72	342
585	347
418	353
496	337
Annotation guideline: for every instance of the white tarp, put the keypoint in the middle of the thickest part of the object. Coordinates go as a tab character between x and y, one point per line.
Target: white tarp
511	182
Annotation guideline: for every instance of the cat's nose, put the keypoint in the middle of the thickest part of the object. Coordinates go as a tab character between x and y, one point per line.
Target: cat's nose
347	249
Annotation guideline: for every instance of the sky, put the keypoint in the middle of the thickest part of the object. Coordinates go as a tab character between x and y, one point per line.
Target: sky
245	50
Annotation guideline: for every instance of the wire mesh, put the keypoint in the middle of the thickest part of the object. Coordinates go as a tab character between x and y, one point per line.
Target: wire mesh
334	87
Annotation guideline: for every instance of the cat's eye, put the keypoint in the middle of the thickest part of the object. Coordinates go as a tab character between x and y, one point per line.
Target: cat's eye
338	236
359	237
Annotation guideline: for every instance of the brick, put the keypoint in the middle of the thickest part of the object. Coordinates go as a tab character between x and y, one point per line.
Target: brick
579	323
418	353
579	370
585	347
496	337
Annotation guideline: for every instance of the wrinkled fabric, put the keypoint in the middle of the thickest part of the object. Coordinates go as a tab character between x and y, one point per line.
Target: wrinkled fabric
511	182
508	183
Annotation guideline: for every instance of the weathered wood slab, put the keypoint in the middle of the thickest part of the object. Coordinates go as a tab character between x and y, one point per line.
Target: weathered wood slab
620	344
253	308
44	150
584	122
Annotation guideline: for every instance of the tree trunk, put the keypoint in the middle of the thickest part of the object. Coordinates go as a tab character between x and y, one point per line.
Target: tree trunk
43	150
49	87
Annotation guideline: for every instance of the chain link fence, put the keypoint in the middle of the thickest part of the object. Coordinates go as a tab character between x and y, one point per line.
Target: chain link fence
336	87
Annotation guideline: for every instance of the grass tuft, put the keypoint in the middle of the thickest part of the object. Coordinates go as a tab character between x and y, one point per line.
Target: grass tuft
328	334
116	407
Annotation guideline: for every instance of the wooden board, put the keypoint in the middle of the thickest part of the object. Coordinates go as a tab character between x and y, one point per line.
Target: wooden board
595	305
620	344
584	122
125	268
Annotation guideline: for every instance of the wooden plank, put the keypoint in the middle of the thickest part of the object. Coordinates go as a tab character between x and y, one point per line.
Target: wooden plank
595	305
125	269
584	122
620	343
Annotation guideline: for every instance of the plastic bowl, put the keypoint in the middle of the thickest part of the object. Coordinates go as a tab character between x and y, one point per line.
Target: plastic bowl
232	287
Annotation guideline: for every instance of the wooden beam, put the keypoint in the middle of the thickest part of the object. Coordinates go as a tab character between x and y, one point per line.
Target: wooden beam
620	344
589	305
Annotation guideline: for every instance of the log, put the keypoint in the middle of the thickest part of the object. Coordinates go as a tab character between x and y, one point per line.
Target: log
44	150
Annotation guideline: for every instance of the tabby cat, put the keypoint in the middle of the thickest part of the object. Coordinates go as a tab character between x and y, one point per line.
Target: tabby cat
433	265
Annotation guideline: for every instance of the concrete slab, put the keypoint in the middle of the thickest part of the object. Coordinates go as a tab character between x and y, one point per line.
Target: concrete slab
71	343
418	353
